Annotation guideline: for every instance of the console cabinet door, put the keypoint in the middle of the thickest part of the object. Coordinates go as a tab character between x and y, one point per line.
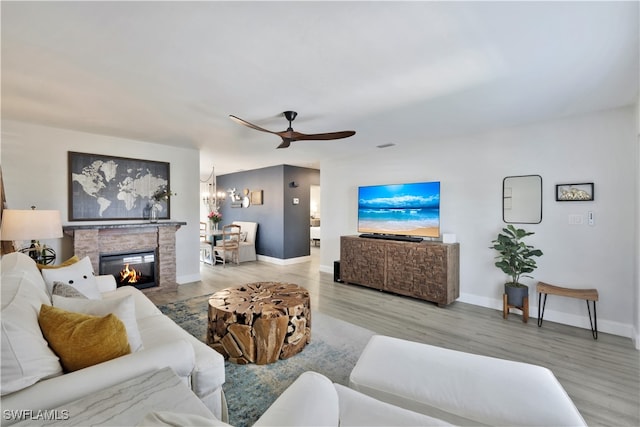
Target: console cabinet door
431	273
362	262
401	269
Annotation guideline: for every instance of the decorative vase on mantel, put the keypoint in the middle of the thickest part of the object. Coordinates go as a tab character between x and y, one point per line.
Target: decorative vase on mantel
153	213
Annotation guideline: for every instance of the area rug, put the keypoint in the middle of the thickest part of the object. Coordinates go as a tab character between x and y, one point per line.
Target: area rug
250	389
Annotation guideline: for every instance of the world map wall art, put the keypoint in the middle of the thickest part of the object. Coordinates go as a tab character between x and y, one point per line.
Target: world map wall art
116	188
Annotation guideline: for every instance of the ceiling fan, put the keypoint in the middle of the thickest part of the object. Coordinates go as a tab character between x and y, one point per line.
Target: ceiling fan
288	136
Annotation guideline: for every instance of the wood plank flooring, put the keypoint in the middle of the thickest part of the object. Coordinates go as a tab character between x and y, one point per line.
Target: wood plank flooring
601	376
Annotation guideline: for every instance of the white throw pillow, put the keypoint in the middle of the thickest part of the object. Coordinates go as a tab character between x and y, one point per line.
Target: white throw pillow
64	290
79	275
124	309
26	356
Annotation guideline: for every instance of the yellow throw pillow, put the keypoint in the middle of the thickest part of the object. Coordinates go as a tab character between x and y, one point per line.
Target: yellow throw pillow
81	340
66	263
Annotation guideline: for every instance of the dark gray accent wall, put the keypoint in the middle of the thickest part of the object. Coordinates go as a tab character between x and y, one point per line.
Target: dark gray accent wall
296	216
283	228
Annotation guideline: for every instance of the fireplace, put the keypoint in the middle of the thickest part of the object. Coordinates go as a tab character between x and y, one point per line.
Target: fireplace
137	269
107	239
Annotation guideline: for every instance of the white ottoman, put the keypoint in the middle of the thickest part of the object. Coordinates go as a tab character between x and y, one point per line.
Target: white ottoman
462	388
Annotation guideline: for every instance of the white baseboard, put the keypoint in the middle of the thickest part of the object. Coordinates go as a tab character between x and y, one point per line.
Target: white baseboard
578	321
181	280
326	269
281	261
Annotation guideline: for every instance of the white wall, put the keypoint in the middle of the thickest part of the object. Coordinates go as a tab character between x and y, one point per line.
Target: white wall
34	168
599	148
636	334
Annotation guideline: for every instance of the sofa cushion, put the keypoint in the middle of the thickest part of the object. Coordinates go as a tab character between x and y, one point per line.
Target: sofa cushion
20	263
460	387
144	306
26	357
82	340
80	275
208	373
123	307
179	419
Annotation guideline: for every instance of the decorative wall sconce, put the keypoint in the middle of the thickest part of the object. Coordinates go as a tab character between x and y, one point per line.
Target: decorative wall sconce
208	198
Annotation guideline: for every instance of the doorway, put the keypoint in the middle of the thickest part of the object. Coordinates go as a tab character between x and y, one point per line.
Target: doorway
314	210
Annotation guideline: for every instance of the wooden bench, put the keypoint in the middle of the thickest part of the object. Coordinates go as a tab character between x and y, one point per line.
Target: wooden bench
585	294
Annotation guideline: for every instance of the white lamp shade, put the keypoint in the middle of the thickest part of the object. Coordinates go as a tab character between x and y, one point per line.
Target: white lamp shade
30	225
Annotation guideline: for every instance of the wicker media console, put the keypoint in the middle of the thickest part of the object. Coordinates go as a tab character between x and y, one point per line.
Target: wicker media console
426	270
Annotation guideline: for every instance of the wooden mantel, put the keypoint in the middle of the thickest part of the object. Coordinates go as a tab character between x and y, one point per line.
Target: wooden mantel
92	240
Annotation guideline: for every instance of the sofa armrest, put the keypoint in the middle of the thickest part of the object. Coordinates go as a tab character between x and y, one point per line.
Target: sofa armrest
106	283
311	400
57	391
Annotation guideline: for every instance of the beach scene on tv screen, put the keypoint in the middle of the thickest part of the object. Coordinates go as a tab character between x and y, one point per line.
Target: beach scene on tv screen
402	209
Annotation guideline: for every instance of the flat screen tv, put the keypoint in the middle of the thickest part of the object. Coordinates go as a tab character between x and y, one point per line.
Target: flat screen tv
400	209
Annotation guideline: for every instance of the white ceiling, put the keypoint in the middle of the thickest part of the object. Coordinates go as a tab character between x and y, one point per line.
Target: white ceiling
395	72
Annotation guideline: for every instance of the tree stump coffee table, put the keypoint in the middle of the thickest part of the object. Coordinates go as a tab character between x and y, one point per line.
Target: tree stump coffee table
259	322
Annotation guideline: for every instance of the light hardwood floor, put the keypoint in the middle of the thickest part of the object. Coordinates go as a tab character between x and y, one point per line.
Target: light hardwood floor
601	376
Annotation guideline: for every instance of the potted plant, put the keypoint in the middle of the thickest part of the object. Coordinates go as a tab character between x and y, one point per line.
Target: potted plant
516	260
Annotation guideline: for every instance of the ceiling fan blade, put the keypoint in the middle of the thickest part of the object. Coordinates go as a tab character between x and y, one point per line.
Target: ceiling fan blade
286	142
251	125
288	136
324	136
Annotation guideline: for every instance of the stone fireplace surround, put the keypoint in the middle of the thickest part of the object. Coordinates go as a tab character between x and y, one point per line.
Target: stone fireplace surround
93	240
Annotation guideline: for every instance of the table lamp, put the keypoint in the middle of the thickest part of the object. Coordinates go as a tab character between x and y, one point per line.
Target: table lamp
32	225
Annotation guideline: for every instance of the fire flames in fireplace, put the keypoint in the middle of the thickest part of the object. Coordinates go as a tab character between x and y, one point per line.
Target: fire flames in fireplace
135	269
129	275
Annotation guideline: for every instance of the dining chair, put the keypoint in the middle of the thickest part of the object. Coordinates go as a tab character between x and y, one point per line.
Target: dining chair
229	247
206	247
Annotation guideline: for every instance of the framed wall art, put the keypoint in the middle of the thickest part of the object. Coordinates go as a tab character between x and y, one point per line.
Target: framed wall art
256	197
117	188
574	192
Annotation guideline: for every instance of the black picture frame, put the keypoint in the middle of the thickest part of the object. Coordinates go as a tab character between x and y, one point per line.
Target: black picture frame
103	187
580	192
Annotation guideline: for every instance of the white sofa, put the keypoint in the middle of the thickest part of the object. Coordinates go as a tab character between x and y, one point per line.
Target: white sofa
32	377
313	400
403	383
